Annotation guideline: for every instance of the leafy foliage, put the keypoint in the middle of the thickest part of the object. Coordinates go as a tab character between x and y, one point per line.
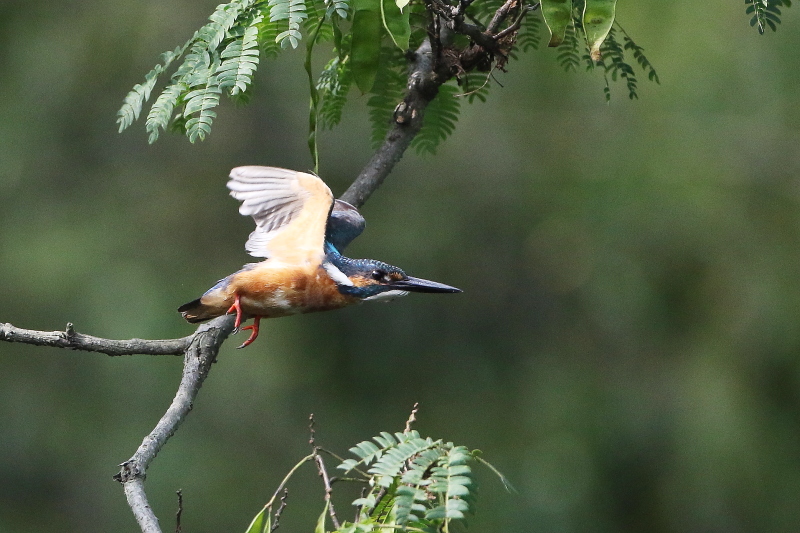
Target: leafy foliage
614	65
221	57
569	50
413	482
294	13
333	86
410	483
765	13
574	50
369	38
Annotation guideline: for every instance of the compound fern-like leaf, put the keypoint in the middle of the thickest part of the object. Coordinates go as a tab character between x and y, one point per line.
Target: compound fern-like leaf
765	13
135	99
239	61
132	105
440	120
569	51
529	37
294	13
161	113
451	479
200	102
333	86
614	64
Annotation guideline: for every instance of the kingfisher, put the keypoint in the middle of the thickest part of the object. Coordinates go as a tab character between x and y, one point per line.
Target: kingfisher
301	232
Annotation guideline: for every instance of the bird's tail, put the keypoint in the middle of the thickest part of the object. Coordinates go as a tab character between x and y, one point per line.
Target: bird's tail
196	311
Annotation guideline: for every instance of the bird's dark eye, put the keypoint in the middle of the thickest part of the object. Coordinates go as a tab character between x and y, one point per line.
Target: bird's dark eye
379	275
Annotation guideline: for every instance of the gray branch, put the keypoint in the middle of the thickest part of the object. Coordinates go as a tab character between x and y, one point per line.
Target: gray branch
200	355
199	350
72	340
423	86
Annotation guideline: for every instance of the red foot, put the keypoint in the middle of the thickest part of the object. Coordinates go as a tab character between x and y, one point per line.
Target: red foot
254	334
237	306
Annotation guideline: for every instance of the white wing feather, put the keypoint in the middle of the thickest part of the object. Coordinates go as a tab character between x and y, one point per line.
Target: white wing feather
275	198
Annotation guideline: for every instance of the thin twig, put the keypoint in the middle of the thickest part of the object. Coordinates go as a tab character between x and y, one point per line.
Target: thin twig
279	512
328	489
513	27
412	417
359	508
500	15
180	511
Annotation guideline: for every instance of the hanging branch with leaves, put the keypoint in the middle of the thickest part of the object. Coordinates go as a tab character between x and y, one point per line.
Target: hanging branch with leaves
375	48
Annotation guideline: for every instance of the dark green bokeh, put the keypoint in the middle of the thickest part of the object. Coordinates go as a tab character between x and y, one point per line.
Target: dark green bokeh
626	347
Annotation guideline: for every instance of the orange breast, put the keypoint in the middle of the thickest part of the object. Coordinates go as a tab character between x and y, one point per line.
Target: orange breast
273	290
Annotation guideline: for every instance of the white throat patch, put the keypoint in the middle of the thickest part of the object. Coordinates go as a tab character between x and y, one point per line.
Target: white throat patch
387	296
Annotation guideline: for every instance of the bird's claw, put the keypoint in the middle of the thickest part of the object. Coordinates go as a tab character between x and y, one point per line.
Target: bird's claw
254	334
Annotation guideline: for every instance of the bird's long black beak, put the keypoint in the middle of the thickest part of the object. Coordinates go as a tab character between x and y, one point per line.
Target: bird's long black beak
422	285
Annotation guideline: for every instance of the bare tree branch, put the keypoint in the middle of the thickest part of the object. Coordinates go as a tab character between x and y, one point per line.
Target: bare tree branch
323	473
72	340
200	355
421	89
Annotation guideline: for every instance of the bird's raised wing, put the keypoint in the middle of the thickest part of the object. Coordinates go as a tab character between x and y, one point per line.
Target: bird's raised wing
290	209
345	223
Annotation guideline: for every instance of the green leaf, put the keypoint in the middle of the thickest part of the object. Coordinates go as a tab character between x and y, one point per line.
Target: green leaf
365	449
333	85
292	11
396	23
262	523
598	17
557	15
366	45
385	439
200	102
568	56
367	502
321	520
340	7
348	464
765	13
136	98
161	112
239	61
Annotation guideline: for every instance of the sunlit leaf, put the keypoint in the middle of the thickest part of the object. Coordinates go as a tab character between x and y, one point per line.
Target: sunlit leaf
557	15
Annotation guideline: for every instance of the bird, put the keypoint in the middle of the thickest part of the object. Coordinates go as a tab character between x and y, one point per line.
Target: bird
301	232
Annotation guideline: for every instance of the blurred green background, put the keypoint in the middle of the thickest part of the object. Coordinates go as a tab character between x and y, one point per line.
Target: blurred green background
626	348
